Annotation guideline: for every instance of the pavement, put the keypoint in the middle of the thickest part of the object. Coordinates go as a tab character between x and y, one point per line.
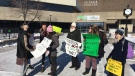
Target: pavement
8	65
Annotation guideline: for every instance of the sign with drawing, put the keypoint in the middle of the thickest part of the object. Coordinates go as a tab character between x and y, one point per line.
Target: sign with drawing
72	47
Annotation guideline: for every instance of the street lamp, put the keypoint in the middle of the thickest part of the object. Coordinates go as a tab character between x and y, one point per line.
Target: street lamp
50	19
127	12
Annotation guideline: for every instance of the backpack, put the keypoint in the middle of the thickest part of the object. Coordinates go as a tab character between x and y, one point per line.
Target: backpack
130	51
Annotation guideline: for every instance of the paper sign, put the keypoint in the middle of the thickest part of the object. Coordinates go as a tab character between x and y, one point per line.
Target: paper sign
72	47
46	42
91	44
41	47
114	67
57	29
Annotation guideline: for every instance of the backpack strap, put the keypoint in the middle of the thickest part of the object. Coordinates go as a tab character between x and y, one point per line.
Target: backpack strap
123	44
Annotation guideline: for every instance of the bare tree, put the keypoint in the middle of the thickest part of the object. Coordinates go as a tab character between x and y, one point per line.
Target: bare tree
25	9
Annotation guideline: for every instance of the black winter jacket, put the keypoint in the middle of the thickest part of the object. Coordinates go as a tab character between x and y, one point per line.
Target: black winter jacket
117	53
75	35
23	45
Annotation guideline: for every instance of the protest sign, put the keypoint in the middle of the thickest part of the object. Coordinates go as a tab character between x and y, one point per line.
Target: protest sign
41	47
57	29
72	47
91	44
114	67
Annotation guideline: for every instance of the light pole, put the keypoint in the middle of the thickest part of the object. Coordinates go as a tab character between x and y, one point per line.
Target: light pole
50	19
127	12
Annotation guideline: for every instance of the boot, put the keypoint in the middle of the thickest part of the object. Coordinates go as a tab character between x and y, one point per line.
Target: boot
42	69
93	72
72	67
31	67
50	73
86	71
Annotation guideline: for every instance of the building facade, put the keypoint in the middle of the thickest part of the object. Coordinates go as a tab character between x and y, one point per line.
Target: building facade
106	13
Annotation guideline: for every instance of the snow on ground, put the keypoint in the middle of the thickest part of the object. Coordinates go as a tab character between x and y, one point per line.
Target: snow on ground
8	65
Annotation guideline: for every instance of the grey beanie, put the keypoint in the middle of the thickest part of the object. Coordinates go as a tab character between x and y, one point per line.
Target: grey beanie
119	31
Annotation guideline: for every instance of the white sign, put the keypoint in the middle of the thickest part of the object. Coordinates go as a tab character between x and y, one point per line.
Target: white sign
72	47
41	47
93	17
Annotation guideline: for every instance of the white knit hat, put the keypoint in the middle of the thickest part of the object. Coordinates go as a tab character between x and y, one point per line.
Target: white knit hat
73	24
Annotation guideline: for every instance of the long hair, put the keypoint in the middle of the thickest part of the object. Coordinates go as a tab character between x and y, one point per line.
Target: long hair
95	30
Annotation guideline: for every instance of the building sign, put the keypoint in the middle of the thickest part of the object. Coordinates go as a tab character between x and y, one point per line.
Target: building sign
92	17
91	3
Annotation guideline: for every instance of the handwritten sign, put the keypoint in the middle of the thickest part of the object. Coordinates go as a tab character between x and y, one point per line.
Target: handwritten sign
57	29
72	47
41	47
114	67
91	44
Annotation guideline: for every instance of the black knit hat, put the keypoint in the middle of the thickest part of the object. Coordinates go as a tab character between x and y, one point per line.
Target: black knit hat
119	31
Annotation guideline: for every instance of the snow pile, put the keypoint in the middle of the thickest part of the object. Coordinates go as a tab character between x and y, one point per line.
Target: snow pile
8	45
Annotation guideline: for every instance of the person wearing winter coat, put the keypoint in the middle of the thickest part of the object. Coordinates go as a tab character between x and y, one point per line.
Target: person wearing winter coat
43	33
30	33
52	50
119	52
103	42
23	47
74	34
92	30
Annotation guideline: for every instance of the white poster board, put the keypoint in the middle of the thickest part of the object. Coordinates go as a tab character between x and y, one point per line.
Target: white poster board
41	47
72	47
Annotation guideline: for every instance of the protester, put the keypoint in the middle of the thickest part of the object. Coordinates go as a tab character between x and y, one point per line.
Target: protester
23	47
103	41
43	33
119	52
53	50
92	30
32	43
74	34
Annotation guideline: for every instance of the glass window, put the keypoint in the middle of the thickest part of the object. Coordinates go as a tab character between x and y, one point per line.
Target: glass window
83	26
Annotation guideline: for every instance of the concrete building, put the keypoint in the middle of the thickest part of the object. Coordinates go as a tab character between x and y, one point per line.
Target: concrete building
107	13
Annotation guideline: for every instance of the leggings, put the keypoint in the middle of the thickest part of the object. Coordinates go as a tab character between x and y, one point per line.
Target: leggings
93	60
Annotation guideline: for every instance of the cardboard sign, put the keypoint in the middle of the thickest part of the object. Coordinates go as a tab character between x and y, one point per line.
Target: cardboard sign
72	47
57	29
41	47
91	44
114	67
